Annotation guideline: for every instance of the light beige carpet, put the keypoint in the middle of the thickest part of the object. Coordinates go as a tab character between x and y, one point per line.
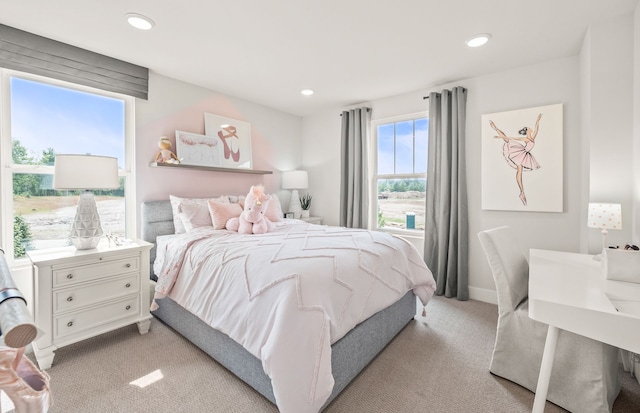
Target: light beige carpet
440	366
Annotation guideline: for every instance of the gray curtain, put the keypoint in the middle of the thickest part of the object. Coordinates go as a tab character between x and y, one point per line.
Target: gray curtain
354	188
27	52
446	217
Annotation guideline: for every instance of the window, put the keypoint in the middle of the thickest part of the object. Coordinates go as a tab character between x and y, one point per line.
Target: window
41	118
401	176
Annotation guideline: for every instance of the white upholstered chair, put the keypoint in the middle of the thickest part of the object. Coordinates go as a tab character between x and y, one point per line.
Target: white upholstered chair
584	378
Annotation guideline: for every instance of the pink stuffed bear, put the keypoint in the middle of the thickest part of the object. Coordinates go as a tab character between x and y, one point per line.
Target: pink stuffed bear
253	219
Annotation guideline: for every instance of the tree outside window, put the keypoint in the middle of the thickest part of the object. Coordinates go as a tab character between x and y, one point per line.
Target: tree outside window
49	118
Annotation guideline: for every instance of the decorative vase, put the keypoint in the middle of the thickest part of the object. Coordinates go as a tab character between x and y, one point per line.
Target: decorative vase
304	213
86	230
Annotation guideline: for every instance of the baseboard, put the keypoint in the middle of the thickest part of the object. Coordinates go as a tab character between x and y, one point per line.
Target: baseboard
484	295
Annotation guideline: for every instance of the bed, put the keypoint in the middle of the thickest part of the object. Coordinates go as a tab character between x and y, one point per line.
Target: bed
347	355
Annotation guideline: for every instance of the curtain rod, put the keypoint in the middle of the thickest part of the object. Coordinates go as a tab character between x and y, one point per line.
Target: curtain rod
368	109
464	90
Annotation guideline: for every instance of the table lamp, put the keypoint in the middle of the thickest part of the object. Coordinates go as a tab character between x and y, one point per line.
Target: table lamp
86	172
604	216
295	180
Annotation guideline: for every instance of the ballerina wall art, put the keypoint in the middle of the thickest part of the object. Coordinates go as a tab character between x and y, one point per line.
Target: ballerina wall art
522	160
235	138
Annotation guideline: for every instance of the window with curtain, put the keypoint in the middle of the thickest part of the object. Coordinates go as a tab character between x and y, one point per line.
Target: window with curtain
401	171
45	117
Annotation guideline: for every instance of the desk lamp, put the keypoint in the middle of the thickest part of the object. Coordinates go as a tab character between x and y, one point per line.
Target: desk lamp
604	216
86	172
295	180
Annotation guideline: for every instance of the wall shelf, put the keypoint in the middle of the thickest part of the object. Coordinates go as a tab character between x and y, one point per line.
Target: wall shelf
210	168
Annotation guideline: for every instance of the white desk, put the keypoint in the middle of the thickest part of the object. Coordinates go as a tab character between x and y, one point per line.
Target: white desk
568	291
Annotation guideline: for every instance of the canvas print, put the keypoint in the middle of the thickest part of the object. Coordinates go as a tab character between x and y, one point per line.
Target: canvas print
235	138
201	150
522	160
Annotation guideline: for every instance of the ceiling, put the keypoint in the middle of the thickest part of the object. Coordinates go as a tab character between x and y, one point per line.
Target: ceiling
348	51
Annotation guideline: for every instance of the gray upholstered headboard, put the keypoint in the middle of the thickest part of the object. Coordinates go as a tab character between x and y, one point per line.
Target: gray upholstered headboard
157	219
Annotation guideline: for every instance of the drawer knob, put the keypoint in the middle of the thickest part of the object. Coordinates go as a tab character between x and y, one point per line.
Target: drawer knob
69	276
69	299
128	285
128	265
70	324
128	307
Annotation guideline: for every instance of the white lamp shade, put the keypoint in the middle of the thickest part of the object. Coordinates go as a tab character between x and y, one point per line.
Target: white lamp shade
605	216
85	172
295	180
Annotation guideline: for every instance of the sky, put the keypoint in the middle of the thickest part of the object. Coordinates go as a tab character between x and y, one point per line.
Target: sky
74	122
403	147
67	120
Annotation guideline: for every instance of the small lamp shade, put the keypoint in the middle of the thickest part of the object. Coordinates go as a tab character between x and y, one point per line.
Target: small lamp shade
295	180
85	172
605	216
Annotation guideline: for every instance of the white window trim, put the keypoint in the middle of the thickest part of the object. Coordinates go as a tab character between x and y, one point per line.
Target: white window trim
7	169
374	176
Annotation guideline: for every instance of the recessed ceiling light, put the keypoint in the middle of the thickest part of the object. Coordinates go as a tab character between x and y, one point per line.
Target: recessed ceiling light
478	40
139	21
307	92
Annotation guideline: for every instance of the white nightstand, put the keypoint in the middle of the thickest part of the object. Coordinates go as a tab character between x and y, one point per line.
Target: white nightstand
80	294
312	220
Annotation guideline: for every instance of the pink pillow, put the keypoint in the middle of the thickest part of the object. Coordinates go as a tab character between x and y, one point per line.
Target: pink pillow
176	209
222	212
194	215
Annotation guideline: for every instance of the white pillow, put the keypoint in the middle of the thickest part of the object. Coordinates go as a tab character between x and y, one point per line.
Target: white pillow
274	212
175	207
194	215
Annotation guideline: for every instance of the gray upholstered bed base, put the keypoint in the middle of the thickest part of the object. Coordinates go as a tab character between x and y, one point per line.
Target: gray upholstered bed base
349	355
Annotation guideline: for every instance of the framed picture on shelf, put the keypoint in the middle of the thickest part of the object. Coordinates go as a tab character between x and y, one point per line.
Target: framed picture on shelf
201	150
235	139
288	214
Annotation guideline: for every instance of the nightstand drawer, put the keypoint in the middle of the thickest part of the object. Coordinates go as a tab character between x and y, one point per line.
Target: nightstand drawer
77	274
71	298
86	319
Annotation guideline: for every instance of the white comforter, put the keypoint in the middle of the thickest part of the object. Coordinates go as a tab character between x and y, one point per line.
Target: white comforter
287	295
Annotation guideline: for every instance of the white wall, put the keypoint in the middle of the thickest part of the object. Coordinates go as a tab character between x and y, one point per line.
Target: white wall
595	88
547	83
321	159
607	79
176	105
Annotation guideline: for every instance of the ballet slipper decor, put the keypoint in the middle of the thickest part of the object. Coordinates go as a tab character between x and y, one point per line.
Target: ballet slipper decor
20	379
23	382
